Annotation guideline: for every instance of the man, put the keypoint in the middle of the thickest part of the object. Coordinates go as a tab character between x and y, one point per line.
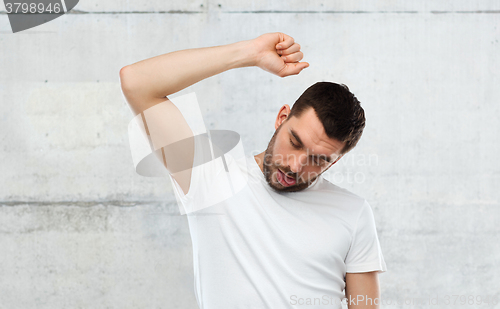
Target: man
290	238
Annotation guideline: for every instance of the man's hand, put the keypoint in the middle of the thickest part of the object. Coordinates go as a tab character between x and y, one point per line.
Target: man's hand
277	53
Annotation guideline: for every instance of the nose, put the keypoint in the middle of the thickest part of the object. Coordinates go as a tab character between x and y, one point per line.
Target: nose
296	163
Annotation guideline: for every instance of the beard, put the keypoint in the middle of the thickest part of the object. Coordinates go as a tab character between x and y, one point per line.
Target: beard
271	170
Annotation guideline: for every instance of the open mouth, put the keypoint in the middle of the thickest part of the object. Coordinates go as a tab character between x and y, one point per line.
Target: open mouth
285	180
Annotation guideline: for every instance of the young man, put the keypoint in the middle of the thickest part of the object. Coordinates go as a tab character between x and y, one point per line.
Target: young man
289	238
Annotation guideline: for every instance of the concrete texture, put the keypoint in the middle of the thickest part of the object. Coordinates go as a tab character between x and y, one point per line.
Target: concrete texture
79	229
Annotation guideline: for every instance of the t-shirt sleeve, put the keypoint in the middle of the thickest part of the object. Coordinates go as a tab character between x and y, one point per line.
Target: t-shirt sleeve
215	174
365	254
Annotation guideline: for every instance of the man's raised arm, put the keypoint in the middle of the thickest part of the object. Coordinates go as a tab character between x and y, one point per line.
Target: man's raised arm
149	81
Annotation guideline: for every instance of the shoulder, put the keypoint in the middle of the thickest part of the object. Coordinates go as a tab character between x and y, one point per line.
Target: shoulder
345	196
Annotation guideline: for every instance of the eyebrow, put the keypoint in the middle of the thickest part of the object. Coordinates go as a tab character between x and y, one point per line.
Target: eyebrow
328	159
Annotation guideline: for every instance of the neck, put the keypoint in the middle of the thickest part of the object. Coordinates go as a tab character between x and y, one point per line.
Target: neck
260	160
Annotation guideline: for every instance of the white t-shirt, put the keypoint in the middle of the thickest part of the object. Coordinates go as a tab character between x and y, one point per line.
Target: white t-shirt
254	247
264	249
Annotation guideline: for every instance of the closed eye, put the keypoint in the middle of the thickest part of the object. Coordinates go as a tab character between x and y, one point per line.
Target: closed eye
297	147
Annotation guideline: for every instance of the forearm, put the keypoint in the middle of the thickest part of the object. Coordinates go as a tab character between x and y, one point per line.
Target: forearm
169	73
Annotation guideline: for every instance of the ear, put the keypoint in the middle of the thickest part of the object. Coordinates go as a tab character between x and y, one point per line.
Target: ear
282	116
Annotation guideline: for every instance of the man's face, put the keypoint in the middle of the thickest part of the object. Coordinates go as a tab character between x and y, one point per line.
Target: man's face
314	152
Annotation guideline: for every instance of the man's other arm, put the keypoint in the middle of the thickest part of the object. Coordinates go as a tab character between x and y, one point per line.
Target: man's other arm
362	290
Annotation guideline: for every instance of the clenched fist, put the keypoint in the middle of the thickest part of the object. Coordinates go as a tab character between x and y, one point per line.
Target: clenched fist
277	53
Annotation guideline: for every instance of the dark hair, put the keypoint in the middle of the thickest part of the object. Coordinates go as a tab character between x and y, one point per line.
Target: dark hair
337	108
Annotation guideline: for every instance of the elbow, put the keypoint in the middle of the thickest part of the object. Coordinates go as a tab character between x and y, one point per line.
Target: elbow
125	78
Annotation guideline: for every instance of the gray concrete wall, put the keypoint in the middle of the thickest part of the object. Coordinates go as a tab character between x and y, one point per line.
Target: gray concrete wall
79	229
